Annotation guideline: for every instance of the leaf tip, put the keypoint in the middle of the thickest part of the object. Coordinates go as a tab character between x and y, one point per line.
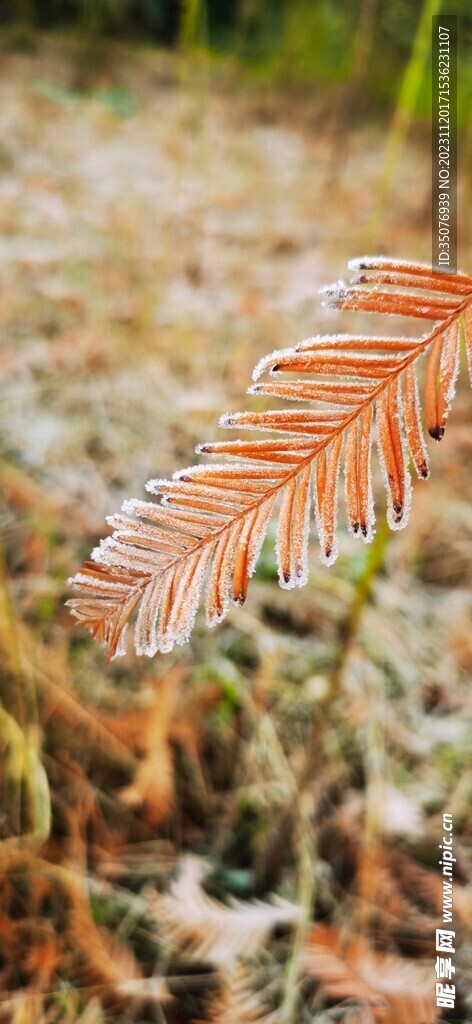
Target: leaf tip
334	294
329	552
153	486
129	506
397	512
436	432
361	263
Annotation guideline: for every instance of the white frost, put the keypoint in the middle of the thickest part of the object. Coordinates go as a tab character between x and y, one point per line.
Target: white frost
267	362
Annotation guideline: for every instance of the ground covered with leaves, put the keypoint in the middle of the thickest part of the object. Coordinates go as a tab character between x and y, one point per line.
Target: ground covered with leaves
247	830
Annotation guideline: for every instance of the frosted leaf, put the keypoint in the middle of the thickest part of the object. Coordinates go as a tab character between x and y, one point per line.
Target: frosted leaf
412	419
326	499
202	495
191	521
218	508
145	636
301	526
250	421
112	552
337	288
379	262
334	293
351	478
280	428
147	535
241	569
217	513
329	557
108	587
193	472
217	599
393	457
358	482
317	340
146	509
99	553
166	643
165	640
227	419
251	448
284	545
320	475
187	597
157	486
269	362
217	602
366	502
344	394
368	262
440	380
305	422
120	650
450	364
243	479
258	533
330	361
352	342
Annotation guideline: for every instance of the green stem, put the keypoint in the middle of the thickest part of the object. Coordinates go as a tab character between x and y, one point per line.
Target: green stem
306	850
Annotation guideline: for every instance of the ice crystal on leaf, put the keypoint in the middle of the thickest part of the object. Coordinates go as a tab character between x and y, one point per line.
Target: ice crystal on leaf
207	528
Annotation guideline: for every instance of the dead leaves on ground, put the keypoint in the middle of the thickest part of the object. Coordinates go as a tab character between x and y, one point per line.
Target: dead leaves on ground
392	988
143	739
47	911
47	935
214	932
398	909
238	1003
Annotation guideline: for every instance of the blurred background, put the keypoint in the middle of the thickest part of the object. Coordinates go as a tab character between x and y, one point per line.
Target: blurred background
176	183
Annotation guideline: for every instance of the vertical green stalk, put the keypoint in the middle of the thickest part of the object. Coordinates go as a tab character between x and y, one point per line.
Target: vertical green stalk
403	115
306	856
193	30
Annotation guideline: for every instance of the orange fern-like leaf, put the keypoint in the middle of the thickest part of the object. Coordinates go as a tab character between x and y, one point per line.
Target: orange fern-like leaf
211	519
